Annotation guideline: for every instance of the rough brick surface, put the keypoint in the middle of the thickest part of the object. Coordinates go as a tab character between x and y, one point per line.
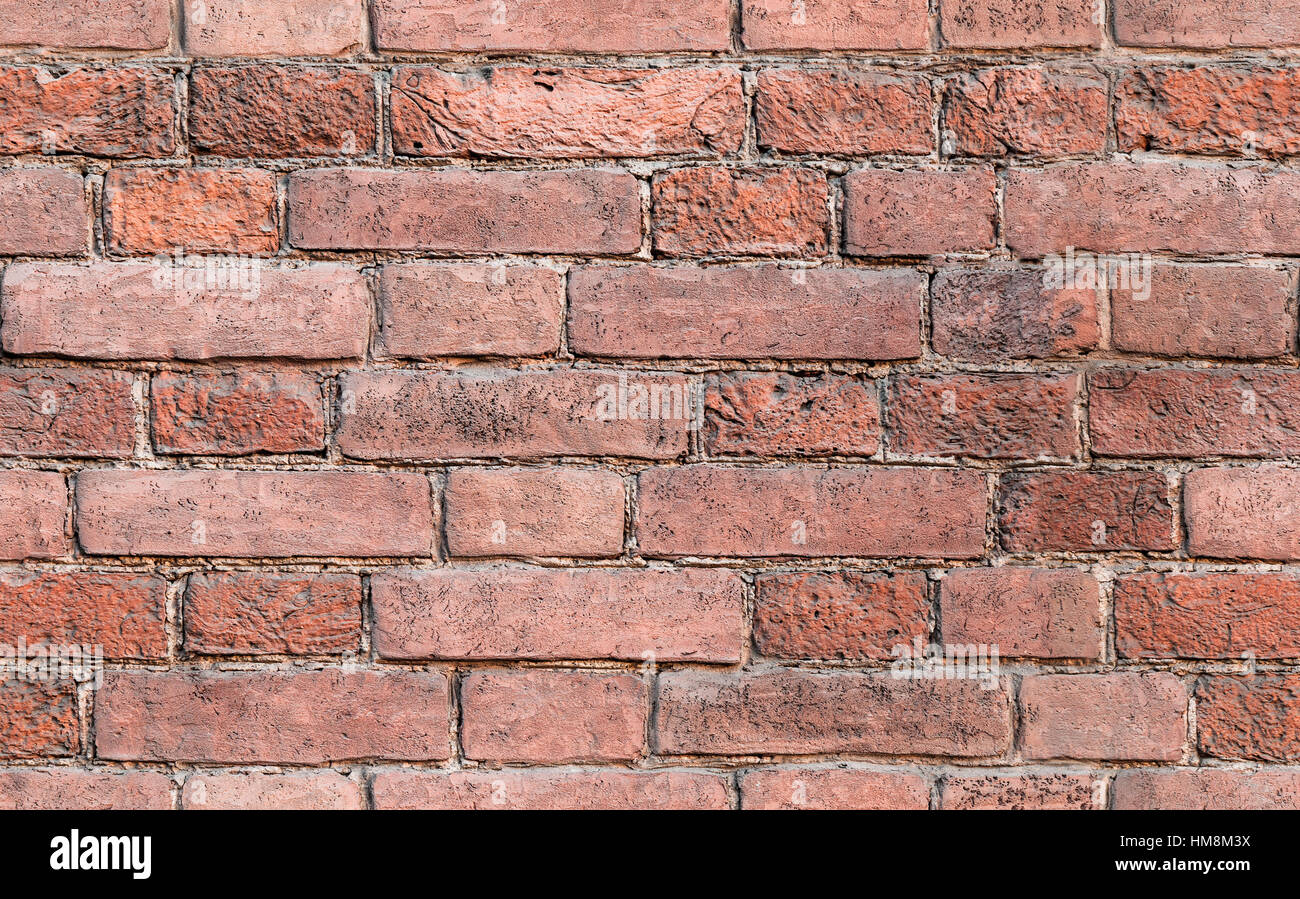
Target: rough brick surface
272	791
1042	612
122	612
917	213
1007	24
1104	716
66	412
42	213
151	211
843	112
1243	512
237	413
549	789
1027	791
761	413
832	788
1001	112
291	613
1086	511
1255	718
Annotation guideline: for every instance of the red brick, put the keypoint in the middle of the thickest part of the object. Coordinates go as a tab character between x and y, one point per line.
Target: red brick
567	112
1254	111
271	716
314	790
66	412
835	111
836	25
589	211
998	112
776	413
1205	310
990	316
839	614
1006	24
237	412
123	612
1206	788
465	309
1020	791
1151	207
552	716
1086	511
1243	512
1207	23
38	719
1047	613
1207	615
832	788
1255	718
201	210
706	510
274	27
1000	416
553	26
43	212
516	414
549	614
254	513
255	613
275	110
919	212
107	24
803	713
534	512
760	312
33	509
1177	412
75	789
139	311
122	112
1126	716
550	789
748	211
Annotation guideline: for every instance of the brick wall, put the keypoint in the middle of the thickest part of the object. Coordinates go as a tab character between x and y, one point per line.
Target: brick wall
436	403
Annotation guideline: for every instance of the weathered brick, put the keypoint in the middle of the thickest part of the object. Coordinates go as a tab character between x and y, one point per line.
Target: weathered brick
744	211
984	416
832	788
1255	718
99	24
237	412
1243	512
122	612
1086	511
1118	716
534	512
467	309
141	311
762	413
515	414
33	508
38	719
124	112
706	510
803	712
569	112
1049	613
987	315
549	614
66	412
75	789
588	211
1020	791
1006	24
919	212
835	111
760	312
552	26
552	716
1179	412
1205	310
550	789
1207	615
199	210
314	790
835	25
274	27
254	513
1151	207
276	110
43	212
1210	24
999	112
1206	788
255	613
275	716
839	614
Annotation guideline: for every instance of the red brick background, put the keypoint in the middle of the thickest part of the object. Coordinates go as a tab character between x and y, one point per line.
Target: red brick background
366	533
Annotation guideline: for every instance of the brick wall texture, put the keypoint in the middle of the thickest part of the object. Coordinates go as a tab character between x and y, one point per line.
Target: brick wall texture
542	403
